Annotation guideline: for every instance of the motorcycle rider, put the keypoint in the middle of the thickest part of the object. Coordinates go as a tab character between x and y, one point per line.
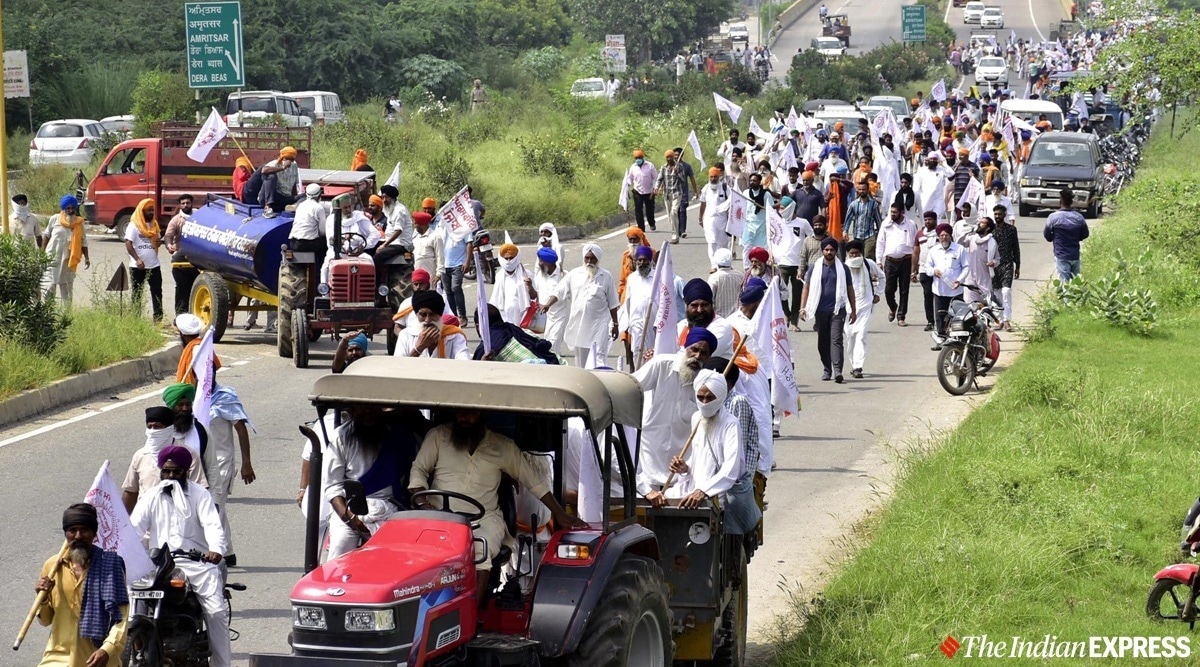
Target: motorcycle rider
182	516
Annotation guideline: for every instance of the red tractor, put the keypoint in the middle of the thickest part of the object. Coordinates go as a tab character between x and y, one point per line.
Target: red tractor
616	594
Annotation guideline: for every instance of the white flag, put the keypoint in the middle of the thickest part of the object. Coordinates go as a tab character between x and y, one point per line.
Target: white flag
1009	137
780	238
734	111
508	238
211	134
116	531
792	119
694	142
1020	124
394	179
739	208
483	318
938	92
1080	108
756	128
769	328
458	216
666	307
623	200
203	367
971	194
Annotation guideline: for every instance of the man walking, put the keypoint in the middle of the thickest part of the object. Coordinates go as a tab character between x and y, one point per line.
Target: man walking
66	244
863	218
714	214
866	279
22	223
926	239
894	252
1066	229
592	292
141	243
1008	268
828	293
641	178
689	186
184	276
672	184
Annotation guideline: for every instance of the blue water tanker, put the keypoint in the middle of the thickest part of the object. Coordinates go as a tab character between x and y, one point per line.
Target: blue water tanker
235	241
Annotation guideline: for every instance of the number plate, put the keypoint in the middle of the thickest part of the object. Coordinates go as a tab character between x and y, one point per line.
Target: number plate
146	595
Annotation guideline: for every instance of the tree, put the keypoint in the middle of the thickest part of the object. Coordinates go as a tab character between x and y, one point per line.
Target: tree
651	29
160	96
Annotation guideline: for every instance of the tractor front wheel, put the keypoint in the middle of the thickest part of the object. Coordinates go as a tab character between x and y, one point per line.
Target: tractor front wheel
293	295
632	625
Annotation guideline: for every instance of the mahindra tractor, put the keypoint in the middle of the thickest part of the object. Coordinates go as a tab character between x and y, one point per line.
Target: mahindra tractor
640	587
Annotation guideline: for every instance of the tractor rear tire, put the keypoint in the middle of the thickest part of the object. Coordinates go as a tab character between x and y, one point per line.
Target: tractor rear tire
632	624
732	651
209	301
300	337
293	295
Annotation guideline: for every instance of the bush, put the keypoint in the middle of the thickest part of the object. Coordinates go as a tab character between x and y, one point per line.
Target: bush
44	185
650	102
96	90
160	96
558	156
449	173
1111	298
441	78
23	315
543	64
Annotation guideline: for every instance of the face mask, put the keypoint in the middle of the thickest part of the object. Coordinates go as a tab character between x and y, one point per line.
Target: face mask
509	265
158	438
854	262
639	162
710	409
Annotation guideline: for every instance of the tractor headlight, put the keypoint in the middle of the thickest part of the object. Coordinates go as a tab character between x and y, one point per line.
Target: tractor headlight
312	618
383	290
370	620
323	289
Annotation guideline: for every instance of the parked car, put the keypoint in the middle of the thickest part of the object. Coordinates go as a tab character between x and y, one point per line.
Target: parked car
1060	160
593	87
119	125
898	105
830	47
738	32
322	107
257	107
991	70
66	141
973	12
992	17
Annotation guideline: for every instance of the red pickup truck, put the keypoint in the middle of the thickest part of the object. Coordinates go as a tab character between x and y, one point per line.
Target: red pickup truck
158	167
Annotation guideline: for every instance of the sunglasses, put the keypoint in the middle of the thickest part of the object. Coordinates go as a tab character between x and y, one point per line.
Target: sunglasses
173	472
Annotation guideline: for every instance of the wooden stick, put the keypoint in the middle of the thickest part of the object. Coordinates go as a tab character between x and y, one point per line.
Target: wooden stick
40	600
687	445
241	150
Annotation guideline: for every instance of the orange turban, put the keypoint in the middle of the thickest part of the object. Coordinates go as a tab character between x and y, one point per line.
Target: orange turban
634	234
360	158
639	153
509	250
839	126
669	154
428	202
243	162
376	200
287	153
713	171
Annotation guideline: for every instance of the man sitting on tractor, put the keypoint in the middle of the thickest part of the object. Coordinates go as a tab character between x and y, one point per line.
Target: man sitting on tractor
466	457
358	234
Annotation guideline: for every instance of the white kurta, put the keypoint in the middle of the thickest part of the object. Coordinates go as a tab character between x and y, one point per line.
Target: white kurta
978	253
347	460
557	315
929	187
666	419
592	298
756	387
715	458
510	295
631	316
868	282
454	346
58	247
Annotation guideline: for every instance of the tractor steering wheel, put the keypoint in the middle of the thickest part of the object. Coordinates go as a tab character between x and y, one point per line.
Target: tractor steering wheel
446	497
349	236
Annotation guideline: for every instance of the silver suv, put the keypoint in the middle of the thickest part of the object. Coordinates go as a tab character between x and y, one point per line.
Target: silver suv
258	107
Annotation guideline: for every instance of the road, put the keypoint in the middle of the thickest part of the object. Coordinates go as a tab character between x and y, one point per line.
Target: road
834	459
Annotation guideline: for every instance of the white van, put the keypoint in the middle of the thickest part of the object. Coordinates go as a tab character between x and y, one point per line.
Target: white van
322	106
1030	111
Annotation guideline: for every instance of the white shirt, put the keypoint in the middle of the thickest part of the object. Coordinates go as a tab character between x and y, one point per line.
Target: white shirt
427	252
715	458
143	246
666	419
455	347
991	201
716	206
310	213
929	187
868	282
800	230
895	239
952	266
348	460
398	220
631	316
358	224
756	387
182	520
23	223
592	299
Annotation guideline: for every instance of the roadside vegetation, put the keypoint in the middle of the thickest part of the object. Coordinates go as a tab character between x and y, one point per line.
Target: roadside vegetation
1049	510
41	343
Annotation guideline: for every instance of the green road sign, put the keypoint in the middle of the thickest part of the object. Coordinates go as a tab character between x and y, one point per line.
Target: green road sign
214	44
912	23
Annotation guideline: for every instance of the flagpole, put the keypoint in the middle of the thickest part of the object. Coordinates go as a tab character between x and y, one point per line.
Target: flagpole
241	150
41	597
655	288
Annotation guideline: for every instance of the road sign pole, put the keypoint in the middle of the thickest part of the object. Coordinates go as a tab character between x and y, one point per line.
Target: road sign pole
4	143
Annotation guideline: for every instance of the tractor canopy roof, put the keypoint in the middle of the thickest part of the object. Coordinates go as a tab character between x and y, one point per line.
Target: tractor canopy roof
601	397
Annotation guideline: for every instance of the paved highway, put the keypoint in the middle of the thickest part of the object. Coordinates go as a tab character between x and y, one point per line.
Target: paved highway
833	459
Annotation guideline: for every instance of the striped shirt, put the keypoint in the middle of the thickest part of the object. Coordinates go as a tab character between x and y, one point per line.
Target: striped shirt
739	406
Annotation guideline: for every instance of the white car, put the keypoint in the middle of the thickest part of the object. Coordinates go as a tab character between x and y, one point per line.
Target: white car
992	17
119	125
594	88
738	32
973	12
830	47
66	141
991	70
255	107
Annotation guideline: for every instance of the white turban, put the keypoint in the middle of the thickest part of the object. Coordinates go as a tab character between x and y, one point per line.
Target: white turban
188	324
546	226
714	381
723	257
593	249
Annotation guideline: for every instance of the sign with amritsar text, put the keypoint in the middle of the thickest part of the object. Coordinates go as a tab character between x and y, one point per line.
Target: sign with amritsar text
215	57
912	23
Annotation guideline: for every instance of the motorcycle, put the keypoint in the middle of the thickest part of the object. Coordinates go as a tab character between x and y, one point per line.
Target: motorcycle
166	626
970	347
1176	589
481	243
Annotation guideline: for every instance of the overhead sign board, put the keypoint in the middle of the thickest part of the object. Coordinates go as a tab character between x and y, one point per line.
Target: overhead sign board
215	57
912	23
16	74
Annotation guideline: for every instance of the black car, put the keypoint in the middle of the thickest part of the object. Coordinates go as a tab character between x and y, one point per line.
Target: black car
1061	160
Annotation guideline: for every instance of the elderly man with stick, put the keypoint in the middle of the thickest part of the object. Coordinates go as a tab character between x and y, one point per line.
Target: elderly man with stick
82	597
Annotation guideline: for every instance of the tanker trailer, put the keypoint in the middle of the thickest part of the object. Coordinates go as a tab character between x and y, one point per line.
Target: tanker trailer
239	253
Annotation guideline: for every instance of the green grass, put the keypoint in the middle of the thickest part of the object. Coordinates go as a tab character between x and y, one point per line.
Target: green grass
1051	507
96	337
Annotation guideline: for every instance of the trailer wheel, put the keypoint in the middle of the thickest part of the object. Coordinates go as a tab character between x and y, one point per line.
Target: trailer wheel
210	302
632	625
732	651
293	295
300	338
121	223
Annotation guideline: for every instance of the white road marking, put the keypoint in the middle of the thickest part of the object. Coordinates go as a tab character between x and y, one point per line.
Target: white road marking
1033	17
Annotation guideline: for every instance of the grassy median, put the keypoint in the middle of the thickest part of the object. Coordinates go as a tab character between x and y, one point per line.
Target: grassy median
1048	511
